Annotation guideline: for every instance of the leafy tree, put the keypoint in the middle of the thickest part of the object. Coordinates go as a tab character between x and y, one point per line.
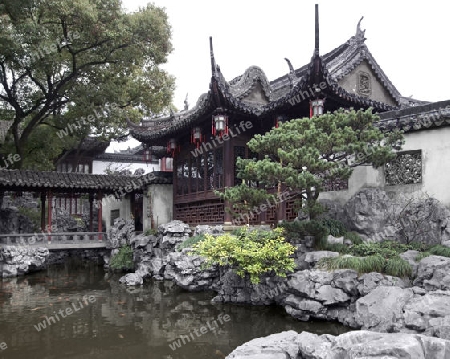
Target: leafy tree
79	66
251	252
305	154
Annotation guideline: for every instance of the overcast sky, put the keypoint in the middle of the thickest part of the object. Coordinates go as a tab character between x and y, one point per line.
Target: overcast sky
409	40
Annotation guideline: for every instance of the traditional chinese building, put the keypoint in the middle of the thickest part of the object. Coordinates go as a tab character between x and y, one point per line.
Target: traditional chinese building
206	140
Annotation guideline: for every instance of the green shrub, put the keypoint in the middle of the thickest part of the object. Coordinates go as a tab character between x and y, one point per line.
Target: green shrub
123	259
188	243
354	237
252	253
334	227
151	232
300	229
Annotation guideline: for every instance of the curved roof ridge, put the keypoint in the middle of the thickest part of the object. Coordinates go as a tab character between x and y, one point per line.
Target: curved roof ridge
244	84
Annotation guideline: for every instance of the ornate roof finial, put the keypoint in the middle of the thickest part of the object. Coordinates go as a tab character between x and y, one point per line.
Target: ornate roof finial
213	60
360	33
316	47
186	103
291	76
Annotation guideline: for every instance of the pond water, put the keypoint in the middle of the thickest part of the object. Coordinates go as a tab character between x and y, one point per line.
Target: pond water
77	310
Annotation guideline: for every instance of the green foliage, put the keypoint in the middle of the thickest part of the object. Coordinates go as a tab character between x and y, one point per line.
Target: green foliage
303	154
65	61
123	260
354	237
189	243
151	232
32	214
334	227
398	267
300	229
394	266
440	250
422	255
252	253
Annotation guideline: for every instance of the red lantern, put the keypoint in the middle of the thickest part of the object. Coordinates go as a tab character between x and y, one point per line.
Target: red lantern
316	107
172	147
147	154
219	124
278	120
196	136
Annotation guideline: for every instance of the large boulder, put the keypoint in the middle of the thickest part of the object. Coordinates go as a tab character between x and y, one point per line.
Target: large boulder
382	309
352	345
433	273
283	345
378	216
367	212
429	313
186	271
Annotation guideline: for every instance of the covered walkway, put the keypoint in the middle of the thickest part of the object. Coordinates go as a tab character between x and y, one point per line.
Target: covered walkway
50	185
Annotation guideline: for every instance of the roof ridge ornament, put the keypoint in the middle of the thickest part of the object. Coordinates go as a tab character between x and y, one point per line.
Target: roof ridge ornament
214	67
360	33
316	32
292	76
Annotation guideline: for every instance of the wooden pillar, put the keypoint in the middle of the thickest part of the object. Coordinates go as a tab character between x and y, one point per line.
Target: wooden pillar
91	212
99	214
43	196
228	171
49	214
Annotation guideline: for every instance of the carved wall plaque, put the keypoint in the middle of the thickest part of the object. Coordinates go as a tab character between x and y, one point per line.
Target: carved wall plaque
364	84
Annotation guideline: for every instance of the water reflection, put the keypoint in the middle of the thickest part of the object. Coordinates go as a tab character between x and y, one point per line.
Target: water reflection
140	322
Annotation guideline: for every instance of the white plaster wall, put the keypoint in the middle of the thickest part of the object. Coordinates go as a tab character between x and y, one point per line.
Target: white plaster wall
435	146
159	204
109	203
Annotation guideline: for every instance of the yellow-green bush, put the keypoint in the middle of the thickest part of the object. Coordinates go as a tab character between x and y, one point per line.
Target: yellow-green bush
251	252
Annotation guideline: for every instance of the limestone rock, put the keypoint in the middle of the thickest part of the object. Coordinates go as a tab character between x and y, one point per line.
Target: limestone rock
120	233
203	229
174	228
283	345
382	309
131	279
410	257
366	212
335	240
352	345
433	273
370	281
429	313
19	260
329	295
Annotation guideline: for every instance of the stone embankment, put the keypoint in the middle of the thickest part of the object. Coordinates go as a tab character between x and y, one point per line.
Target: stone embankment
416	309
